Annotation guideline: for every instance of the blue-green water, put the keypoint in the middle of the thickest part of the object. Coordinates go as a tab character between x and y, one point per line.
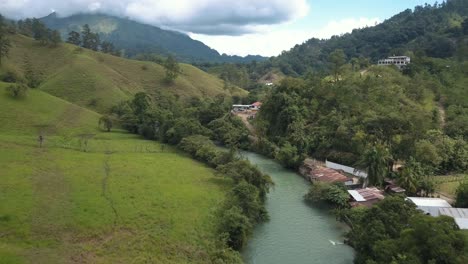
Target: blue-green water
297	232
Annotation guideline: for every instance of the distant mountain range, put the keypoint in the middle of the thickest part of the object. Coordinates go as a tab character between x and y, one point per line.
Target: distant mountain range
137	38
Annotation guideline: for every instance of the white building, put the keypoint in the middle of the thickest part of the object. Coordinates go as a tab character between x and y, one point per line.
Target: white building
429	206
399	61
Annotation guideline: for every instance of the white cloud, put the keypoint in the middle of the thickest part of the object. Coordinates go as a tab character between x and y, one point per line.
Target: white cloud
201	16
272	41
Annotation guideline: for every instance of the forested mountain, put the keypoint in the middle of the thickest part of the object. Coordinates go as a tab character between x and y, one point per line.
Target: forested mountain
136	38
431	30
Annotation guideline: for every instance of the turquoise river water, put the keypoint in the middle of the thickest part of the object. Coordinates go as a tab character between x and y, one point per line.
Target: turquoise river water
296	232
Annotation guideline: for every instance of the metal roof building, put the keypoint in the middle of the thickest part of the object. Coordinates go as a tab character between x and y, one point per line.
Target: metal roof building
459	214
429	205
366	197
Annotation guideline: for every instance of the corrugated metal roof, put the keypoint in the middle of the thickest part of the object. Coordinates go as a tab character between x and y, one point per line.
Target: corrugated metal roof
429	202
462	223
454	212
328	175
356	196
430	210
366	194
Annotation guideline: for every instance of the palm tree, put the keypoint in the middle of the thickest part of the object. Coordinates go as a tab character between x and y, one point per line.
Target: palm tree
410	176
376	161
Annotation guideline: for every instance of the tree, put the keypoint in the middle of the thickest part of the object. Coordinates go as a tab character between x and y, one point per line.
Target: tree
55	38
409	176
337	59
140	103
462	195
289	156
106	122
74	38
40	31
90	40
17	90
4	41
465	26
334	194
172	69
107	47
376	161
236	227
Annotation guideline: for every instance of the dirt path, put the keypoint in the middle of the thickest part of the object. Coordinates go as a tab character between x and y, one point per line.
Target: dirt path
105	187
244	116
442	114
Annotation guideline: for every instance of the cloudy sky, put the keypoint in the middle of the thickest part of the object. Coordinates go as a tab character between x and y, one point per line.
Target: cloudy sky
241	27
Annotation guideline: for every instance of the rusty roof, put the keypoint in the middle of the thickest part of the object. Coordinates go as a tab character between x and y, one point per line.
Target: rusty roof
367	194
327	175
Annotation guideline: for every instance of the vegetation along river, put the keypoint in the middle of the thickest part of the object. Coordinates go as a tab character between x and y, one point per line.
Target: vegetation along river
296	232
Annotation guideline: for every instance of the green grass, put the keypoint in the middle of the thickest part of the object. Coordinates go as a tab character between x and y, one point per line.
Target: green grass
448	184
98	81
121	199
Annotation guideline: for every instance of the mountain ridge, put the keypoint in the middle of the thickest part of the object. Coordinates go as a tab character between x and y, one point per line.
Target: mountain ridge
136	38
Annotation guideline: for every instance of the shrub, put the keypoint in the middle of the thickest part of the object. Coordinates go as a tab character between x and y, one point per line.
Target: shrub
11	76
17	90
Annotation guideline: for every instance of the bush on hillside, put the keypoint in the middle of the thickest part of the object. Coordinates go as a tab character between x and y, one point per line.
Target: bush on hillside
17	90
11	76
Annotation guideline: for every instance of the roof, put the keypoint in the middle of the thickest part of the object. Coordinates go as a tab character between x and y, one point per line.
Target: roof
327	175
459	214
366	194
454	212
257	104
462	223
429	202
356	196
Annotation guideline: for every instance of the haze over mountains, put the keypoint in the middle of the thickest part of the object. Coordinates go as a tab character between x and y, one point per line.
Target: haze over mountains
137	38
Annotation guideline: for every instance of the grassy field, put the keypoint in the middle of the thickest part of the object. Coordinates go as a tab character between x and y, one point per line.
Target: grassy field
98	81
448	184
120	199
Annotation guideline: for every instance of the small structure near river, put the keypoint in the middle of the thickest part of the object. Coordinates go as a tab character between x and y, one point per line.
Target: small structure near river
313	171
365	197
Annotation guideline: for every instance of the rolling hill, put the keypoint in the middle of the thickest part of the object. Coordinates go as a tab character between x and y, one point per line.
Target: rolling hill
135	38
98	81
119	199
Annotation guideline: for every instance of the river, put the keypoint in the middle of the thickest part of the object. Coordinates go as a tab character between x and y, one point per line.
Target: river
296	232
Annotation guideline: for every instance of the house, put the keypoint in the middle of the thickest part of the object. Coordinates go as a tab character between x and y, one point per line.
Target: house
347	169
365	197
314	172
429	206
399	61
256	106
240	108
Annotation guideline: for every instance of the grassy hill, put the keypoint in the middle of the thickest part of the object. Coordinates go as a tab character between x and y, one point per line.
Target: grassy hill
120	199
98	81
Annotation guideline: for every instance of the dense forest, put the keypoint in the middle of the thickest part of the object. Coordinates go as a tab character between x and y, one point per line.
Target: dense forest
432	30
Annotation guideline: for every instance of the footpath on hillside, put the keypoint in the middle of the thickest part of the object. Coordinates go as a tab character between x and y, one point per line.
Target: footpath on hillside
244	116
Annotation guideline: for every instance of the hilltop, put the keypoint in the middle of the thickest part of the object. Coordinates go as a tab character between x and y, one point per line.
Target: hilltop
99	81
136	38
431	30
